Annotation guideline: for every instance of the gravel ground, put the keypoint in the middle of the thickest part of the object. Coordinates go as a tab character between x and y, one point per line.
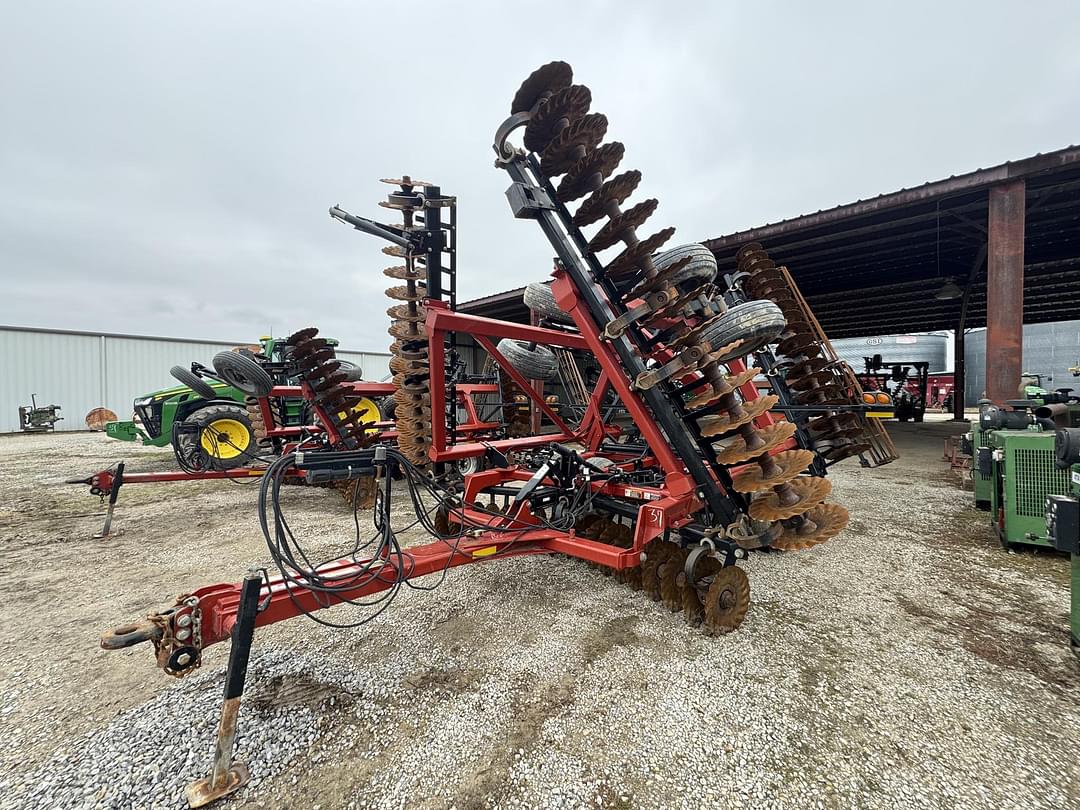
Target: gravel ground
910	662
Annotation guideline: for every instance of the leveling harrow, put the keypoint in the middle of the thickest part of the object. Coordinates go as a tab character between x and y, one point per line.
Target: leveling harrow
710	472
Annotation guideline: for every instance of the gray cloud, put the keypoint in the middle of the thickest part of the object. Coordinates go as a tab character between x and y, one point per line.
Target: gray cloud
167	169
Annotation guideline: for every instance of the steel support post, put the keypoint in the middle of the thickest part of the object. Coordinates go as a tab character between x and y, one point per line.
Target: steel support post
959	376
227	775
1005	292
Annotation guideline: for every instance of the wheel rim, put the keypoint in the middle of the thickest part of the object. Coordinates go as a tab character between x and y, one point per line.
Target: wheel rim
368	410
468	466
225	438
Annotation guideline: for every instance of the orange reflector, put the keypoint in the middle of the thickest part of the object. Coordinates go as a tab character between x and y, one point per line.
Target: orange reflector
883	399
868	399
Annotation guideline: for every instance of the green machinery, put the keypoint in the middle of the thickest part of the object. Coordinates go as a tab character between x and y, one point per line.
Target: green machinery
203	402
976	439
1016	467
1063	520
36	418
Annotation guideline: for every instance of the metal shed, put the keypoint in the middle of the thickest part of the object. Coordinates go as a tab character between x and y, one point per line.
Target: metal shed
83	370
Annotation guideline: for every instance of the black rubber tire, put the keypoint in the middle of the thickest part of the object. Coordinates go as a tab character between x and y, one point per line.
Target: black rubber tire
353	372
191	445
538	363
193	381
388	408
243	373
539	298
755	323
1067	447
700	269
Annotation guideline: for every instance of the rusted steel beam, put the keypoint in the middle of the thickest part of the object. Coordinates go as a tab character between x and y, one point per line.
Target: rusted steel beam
1005	291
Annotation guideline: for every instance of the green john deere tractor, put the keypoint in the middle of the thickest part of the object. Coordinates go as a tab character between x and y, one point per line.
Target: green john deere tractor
210	423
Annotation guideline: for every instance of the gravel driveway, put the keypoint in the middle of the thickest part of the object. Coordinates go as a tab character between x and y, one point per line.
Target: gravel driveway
910	662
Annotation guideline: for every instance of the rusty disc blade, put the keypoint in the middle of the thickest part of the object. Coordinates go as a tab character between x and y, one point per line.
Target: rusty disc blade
573	144
403	293
557	111
308	347
828	520
301	335
734	381
772	437
748	255
800	368
799	346
407	330
543	81
403	273
622	224
846	451
814	379
830	394
401	312
398	349
632	258
615	190
656	552
329	382
670	587
723	422
787	464
809	491
588	173
726	601
836	423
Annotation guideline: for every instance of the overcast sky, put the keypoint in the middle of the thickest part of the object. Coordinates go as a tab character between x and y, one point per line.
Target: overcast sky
165	168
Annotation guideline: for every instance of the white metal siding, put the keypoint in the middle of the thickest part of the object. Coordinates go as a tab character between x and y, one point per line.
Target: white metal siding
80	372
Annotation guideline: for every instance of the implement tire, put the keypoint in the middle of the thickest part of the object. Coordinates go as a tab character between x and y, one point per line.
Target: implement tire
243	373
699	270
193	381
755	323
223	438
539	298
537	363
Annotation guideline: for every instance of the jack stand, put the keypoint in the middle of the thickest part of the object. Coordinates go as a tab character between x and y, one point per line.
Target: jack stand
227	776
114	493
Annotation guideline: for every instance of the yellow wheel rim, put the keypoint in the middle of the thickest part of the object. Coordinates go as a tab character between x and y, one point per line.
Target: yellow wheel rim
368	410
225	438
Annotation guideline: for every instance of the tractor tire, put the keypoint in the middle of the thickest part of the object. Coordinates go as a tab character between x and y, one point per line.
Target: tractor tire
539	298
243	373
388	408
699	270
225	438
352	372
537	363
755	323
193	381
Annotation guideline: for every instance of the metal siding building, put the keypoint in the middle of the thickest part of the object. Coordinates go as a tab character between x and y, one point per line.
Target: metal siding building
80	371
934	349
1050	349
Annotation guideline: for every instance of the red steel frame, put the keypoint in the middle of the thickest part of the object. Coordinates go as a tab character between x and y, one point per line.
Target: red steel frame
103	481
660	508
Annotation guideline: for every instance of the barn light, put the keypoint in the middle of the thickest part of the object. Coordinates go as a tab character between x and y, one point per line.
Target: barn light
948	291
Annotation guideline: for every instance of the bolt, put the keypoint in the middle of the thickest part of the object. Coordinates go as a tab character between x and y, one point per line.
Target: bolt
183	659
183	634
184	620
